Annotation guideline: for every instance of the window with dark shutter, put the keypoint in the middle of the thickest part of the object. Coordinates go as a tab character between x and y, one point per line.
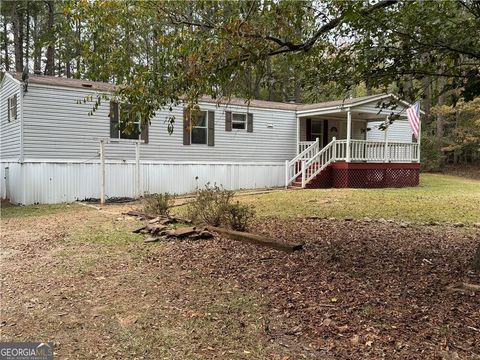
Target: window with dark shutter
186	127
228	121
211	128
123	128
249	122
199	128
144	133
114	120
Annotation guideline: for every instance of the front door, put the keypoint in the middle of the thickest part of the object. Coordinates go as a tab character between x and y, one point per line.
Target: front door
315	129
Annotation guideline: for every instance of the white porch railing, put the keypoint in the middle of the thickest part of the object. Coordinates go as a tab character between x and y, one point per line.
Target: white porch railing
311	160
378	151
302	145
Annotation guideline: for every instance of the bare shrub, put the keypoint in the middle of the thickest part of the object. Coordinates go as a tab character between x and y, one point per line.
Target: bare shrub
239	216
213	205
158	204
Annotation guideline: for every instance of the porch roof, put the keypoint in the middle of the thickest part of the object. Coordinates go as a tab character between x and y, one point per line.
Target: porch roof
364	104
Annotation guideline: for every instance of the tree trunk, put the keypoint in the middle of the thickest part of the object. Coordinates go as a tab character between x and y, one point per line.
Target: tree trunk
476	259
37	47
27	36
269	79
5	44
79	58
440	117
427	100
17	27
50	67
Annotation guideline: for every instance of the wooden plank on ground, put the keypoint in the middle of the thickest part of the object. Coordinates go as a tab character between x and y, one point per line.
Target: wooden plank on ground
258	239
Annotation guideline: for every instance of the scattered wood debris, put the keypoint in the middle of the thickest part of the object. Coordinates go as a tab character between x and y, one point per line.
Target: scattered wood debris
158	228
259	240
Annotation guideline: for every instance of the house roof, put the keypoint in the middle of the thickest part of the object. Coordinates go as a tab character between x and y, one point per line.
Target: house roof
342	103
67	82
104	86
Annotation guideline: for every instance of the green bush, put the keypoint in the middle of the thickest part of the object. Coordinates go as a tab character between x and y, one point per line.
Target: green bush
158	204
239	216
210	205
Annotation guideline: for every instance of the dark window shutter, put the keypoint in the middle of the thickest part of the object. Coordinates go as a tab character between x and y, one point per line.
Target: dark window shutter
114	120
8	112
186	127
211	128
249	122
144	133
228	121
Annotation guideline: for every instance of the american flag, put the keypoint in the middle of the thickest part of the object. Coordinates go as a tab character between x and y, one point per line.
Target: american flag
413	114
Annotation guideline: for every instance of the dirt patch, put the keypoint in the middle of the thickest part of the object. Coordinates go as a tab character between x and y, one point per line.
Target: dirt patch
358	290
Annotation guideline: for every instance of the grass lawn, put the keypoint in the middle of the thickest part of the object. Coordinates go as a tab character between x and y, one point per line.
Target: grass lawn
442	198
80	278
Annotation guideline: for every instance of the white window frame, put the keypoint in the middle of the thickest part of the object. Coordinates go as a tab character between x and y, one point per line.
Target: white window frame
120	127
244	122
13	109
199	127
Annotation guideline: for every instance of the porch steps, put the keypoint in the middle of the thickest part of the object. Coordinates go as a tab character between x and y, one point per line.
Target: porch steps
297	183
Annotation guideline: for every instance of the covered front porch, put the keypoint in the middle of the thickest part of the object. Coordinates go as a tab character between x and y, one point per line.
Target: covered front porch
353	131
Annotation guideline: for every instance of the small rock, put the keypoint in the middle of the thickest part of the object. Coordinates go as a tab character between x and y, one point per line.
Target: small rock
139	230
390	221
328	322
184	232
312	217
477	225
151	239
459	224
355	340
349	218
342	329
153	221
382	221
332	218
434	223
367	219
205	234
404	224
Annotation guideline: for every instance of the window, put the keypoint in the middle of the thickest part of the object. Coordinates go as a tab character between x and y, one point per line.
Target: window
128	130
199	134
12	108
239	121
121	129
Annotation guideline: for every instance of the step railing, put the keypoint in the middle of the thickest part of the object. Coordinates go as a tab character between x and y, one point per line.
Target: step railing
320	161
302	145
293	168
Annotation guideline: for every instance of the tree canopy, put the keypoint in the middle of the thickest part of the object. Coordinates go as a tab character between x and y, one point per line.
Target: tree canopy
163	51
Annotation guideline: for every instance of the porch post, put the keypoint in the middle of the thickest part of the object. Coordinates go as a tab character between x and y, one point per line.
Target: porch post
298	135
419	136
386	151
349	134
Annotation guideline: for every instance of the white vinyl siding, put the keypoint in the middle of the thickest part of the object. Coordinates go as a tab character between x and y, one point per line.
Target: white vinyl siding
10	131
56	127
398	131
